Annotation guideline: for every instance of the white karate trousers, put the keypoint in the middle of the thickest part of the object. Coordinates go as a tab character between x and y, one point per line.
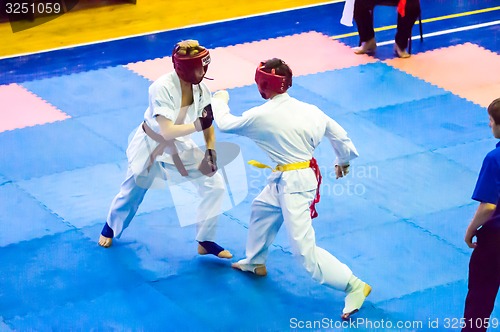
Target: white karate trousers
210	189
270	209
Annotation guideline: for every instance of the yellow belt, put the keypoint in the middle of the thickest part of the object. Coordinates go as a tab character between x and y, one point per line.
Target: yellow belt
282	168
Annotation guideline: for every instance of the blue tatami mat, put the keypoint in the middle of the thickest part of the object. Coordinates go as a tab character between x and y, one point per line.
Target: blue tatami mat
135	308
435	122
367	137
82	197
367	87
52	148
365	134
419	184
270	304
244	98
161	248
24	218
470	154
397	220
339	211
4	327
449	225
430	309
115	126
46	273
93	92
435	308
408	253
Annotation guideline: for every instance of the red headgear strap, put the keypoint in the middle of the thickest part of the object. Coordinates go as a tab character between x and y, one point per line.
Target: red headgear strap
188	67
271	82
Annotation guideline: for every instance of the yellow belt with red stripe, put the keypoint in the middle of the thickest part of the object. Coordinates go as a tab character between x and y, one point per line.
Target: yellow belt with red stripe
282	168
294	166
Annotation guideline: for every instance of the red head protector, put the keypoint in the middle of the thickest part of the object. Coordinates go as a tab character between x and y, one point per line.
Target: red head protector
190	61
273	76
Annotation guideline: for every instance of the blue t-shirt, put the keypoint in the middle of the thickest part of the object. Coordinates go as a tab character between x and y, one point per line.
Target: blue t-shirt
488	183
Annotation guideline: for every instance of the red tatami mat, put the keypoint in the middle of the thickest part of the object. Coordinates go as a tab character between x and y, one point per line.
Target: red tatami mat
151	69
227	70
467	70
306	53
21	108
234	66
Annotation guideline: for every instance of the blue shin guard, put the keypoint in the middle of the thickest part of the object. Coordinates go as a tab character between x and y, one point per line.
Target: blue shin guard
211	247
107	231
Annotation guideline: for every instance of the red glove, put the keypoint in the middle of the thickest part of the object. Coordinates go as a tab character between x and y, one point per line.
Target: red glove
205	121
208	165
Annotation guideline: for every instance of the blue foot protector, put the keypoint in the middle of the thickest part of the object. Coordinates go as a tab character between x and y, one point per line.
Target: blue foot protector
107	231
211	247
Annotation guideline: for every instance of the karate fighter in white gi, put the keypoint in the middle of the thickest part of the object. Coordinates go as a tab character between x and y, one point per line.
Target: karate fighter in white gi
161	148
289	130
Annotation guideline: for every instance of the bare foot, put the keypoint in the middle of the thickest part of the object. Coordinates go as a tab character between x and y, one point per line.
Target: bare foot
260	270
105	241
223	254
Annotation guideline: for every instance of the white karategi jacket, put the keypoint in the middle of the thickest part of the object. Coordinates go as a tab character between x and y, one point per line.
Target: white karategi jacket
289	130
165	98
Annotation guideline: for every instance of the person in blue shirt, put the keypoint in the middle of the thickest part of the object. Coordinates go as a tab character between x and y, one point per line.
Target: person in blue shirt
484	265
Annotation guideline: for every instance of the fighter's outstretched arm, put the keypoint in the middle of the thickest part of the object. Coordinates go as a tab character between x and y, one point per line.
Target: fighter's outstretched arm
226	121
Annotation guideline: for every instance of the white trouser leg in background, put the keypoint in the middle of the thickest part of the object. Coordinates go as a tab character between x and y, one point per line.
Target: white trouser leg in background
265	222
125	204
321	265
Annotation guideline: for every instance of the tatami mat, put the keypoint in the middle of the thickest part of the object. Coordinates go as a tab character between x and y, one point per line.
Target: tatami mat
467	70
53	148
397	220
20	109
234	66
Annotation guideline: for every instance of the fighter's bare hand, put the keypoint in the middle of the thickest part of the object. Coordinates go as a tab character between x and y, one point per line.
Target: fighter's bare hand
341	171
